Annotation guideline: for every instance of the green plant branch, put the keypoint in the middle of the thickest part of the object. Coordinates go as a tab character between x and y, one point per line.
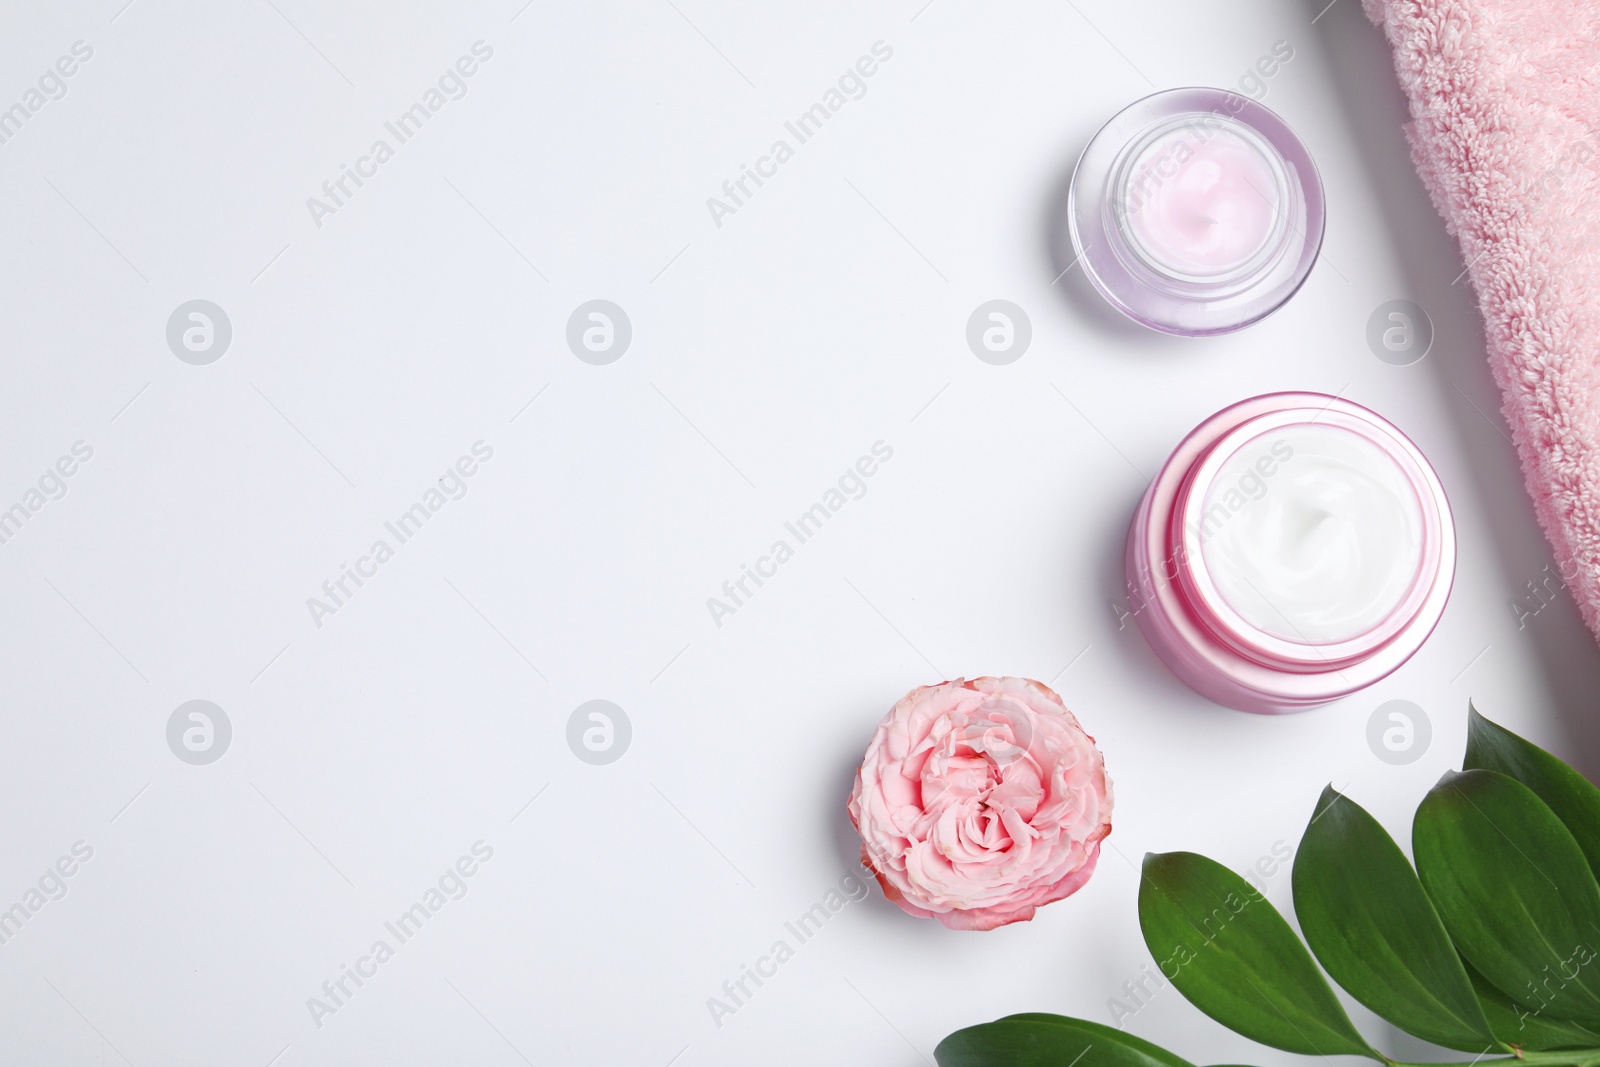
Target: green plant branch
1394	931
1580	1057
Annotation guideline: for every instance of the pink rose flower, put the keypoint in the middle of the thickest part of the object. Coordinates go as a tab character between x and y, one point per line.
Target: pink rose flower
979	800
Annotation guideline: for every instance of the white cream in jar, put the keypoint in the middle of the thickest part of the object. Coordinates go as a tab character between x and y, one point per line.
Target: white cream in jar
1320	543
1295	548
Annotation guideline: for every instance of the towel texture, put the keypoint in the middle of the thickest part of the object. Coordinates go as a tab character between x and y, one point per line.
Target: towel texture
1505	131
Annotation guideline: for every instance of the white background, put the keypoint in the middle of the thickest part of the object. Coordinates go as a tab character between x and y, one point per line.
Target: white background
768	354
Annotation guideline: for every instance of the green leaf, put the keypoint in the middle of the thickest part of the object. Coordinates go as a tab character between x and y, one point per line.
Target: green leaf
1527	1028
1513	889
1365	916
1037	1040
1568	793
1228	950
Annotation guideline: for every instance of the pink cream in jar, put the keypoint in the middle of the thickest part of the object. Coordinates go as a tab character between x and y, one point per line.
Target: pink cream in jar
1294	549
1196	211
1203	207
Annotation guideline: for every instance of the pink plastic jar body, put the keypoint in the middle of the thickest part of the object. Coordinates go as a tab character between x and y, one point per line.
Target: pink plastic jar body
1205	644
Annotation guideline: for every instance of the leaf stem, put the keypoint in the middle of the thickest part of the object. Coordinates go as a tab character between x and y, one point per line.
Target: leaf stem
1579	1057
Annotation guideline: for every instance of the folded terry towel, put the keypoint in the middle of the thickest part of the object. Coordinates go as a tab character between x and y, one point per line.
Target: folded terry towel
1505	103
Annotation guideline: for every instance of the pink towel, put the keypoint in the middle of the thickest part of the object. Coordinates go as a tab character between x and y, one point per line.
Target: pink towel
1505	103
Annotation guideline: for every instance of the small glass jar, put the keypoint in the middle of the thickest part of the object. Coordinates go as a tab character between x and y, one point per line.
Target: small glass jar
1295	548
1196	211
